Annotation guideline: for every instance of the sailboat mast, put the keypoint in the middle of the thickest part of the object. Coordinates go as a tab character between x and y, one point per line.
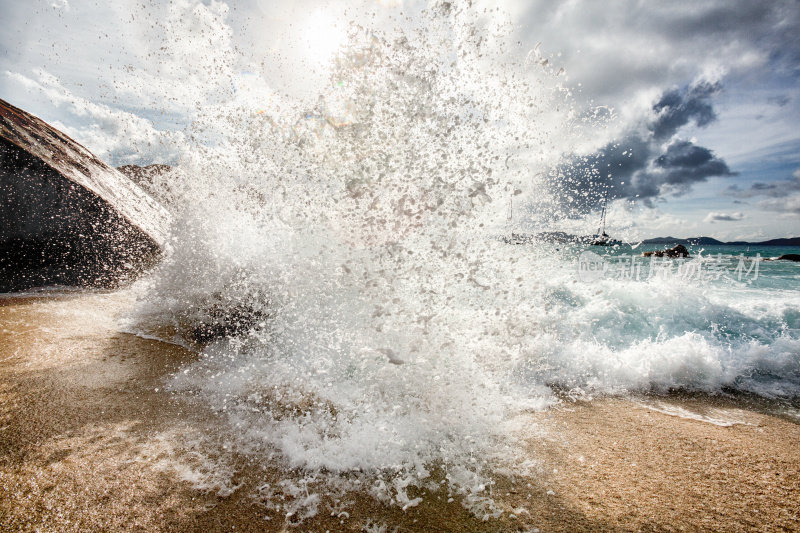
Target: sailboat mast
602	229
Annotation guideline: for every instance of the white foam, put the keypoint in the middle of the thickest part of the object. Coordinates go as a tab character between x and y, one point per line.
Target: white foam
188	458
715	416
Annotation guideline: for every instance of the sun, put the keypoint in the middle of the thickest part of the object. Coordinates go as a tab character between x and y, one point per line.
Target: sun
322	36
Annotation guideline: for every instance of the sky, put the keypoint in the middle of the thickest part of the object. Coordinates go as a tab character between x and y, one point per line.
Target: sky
700	99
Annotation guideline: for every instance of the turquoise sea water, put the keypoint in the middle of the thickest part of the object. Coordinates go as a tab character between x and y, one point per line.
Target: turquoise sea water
723	319
756	266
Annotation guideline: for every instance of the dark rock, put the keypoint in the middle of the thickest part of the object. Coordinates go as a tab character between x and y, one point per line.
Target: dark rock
66	217
676	251
789	257
227	321
234	311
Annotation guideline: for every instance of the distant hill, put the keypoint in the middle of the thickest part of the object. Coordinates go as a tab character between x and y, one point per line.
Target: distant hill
559	237
708	241
675	240
793	241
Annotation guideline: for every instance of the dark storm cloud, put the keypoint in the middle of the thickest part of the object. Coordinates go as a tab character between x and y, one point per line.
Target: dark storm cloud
639	166
685	163
677	108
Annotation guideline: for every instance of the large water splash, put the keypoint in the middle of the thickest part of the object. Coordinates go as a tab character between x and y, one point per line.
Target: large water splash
373	329
357	235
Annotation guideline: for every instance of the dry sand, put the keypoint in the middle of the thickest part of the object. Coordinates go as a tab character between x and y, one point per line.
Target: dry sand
89	441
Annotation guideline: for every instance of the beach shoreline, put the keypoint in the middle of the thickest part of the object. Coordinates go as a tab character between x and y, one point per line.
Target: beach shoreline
89	440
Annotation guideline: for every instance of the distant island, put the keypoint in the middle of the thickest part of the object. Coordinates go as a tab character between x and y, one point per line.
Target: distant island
562	237
709	241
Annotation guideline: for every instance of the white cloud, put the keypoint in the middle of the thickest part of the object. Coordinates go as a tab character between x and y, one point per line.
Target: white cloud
116	136
619	48
654	222
789	205
723	217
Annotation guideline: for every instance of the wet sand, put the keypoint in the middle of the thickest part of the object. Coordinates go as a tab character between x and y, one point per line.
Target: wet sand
89	441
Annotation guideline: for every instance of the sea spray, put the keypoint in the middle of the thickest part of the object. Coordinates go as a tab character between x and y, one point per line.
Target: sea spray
357	232
375	335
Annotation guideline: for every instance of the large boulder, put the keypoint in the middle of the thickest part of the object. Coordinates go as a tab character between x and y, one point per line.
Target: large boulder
678	250
67	217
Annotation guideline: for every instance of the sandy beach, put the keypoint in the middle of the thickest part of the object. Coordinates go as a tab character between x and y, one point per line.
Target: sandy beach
90	441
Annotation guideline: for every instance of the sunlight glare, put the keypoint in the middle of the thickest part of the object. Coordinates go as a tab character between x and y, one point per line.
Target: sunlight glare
323	37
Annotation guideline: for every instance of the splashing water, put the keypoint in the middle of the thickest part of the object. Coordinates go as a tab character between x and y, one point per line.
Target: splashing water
376	331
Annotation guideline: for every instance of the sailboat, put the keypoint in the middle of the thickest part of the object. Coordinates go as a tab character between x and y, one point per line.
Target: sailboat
601	238
515	238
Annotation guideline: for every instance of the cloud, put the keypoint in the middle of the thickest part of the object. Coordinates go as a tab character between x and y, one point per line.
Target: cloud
678	107
623	54
723	217
619	49
780	100
773	189
780	196
117	136
648	162
685	163
789	205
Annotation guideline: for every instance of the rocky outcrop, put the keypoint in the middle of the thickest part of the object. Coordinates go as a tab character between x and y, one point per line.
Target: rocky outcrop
676	251
220	320
789	257
67	217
